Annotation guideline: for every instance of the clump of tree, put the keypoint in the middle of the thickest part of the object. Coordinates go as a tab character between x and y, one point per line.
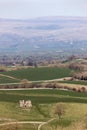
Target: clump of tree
76	66
71	57
24	83
51	85
60	110
81	76
82	89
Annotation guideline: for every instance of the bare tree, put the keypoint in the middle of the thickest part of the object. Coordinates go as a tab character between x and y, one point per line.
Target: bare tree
25	83
60	110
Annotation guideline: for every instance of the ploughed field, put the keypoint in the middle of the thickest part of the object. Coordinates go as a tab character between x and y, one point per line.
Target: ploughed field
44	102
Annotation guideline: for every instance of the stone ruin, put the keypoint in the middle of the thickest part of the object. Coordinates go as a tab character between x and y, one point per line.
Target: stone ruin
25	104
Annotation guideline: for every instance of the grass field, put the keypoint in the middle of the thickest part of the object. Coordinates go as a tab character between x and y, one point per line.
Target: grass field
20	127
4	79
74	82
44	73
44	102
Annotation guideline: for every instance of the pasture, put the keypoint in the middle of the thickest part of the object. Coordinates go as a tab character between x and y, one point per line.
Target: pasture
35	74
74	82
4	79
44	103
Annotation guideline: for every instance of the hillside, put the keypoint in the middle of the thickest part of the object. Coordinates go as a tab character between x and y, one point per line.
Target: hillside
44	102
44	34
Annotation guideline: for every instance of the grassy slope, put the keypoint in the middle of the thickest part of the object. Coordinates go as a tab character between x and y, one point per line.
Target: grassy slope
44	103
46	73
20	127
9	102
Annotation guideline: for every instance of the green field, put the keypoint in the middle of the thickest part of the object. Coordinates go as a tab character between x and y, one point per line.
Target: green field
39	98
44	73
44	102
74	82
4	79
20	127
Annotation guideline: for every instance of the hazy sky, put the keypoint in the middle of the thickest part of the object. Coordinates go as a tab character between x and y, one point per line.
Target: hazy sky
26	9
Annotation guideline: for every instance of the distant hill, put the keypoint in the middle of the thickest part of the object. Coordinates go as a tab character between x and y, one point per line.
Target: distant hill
43	34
